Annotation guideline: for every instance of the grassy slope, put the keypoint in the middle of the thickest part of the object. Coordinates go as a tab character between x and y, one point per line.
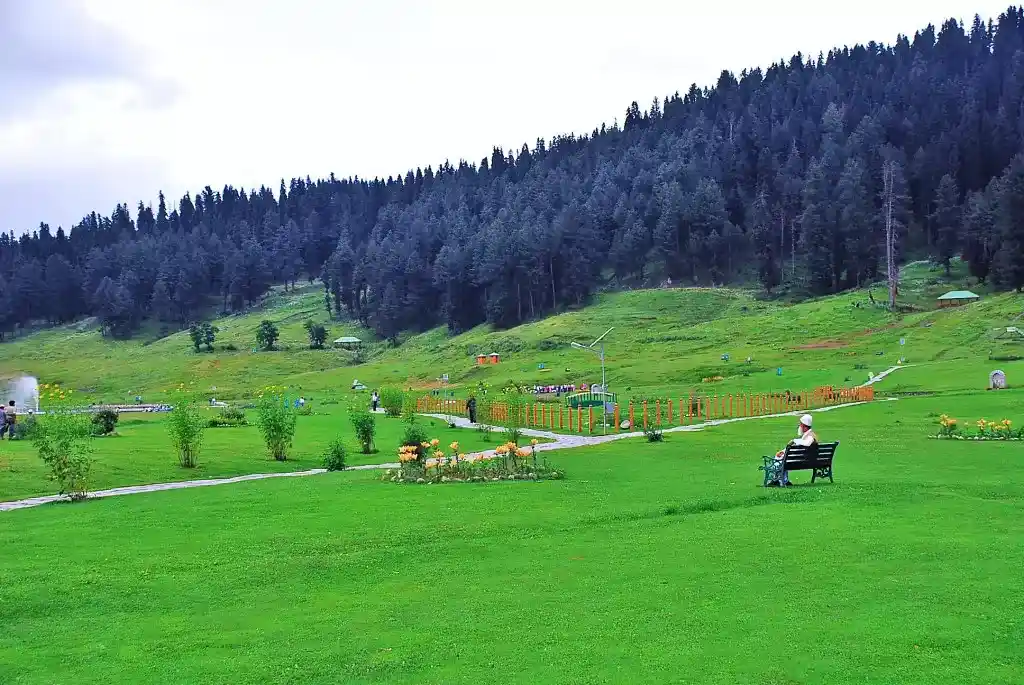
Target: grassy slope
652	563
664	342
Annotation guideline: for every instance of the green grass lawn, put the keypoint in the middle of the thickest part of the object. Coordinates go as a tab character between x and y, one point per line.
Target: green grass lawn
650	563
141	452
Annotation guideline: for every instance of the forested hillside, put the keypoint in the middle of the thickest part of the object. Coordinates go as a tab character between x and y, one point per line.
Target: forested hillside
776	174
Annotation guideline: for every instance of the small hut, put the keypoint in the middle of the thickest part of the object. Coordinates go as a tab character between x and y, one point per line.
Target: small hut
494	357
957	298
997	380
348	342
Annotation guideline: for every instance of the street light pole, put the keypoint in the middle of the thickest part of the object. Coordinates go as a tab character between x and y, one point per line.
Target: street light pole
604	378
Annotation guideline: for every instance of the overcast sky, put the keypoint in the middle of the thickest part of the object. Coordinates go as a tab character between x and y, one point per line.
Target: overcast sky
107	101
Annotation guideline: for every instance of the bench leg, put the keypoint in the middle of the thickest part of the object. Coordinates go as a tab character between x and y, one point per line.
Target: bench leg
822	473
772	470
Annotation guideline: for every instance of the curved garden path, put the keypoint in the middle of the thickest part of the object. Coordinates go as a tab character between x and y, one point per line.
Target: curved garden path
559	442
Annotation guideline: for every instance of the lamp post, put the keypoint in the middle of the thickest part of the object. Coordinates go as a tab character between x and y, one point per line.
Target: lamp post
604	379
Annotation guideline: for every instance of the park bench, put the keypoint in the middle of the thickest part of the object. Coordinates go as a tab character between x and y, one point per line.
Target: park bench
816	458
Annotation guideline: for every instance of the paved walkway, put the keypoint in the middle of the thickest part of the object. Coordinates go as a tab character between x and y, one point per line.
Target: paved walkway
883	375
559	442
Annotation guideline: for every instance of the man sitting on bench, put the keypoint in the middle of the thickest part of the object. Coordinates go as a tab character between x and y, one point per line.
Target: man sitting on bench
805	437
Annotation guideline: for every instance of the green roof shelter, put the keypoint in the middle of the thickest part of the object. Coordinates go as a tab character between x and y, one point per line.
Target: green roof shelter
955	298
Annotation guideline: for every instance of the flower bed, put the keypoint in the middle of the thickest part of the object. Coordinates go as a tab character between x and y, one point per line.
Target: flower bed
510	462
983	430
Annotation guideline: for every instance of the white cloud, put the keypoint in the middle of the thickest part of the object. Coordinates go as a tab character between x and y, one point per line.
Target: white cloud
242	92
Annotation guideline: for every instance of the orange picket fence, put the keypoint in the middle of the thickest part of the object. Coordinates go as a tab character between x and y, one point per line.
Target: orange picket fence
694	408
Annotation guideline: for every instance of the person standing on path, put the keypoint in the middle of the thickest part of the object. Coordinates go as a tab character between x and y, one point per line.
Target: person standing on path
471	408
374	400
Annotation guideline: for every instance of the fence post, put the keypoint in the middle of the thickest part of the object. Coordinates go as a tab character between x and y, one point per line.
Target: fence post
645	414
632	420
591	419
579	419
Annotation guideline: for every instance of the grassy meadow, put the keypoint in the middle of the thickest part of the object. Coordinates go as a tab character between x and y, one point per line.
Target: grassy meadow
651	562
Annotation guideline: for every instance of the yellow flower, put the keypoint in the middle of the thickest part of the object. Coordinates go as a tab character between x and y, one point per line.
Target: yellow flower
454	446
461	457
435	442
424	445
46	386
438	454
501	449
534	442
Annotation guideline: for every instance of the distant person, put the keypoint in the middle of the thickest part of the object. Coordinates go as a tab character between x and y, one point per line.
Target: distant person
375	400
302	401
805	437
10	418
471	409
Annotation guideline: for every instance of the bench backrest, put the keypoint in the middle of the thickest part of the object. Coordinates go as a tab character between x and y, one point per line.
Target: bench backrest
820	455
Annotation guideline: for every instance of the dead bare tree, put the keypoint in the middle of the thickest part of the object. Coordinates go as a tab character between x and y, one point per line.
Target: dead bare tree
890	198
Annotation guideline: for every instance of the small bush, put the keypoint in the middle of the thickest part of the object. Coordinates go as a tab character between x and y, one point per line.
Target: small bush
185	426
305	409
104	422
62	441
654	434
415	435
392	400
230	347
229	417
25	428
365	425
276	420
334	456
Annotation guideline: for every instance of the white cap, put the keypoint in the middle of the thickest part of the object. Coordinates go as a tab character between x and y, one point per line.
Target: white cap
807	420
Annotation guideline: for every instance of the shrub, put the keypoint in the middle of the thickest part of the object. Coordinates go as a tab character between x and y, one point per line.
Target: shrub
415	436
104	422
334	456
276	420
62	440
230	347
229	417
365	425
305	409
654	434
185	426
25	428
392	400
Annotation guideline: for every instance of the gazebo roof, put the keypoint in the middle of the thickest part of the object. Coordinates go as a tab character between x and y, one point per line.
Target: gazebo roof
959	295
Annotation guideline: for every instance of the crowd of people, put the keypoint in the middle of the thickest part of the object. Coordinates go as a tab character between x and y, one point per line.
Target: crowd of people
557	390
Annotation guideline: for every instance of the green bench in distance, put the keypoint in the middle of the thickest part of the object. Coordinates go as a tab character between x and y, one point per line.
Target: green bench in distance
816	458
